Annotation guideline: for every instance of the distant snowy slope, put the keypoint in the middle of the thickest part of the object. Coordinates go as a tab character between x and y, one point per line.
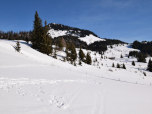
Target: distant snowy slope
57	30
56	33
90	39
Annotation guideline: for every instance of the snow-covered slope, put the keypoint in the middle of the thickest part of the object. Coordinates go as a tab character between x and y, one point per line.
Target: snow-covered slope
34	83
56	33
90	39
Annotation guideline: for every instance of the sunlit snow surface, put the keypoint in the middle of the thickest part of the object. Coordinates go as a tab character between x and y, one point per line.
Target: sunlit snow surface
34	83
90	39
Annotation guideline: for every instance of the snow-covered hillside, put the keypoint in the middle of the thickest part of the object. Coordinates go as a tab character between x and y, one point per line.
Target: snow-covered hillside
90	39
34	83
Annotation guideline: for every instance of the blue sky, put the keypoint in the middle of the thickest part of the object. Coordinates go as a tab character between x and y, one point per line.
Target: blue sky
126	20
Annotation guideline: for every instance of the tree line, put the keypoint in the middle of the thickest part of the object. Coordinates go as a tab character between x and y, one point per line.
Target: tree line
22	35
144	46
141	57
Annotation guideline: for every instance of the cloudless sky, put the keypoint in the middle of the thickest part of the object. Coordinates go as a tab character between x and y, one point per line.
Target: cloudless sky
126	20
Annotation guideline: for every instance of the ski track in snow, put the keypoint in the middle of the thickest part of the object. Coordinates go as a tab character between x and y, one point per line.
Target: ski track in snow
23	88
24	81
20	66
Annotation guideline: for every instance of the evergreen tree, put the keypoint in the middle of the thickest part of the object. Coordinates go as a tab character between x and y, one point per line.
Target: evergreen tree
121	56
124	67
27	40
55	55
149	67
81	55
59	43
88	59
37	32
118	65
17	47
113	65
67	52
46	44
73	54
141	57
133	63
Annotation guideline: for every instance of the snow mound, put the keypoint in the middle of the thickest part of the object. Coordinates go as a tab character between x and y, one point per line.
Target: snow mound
90	39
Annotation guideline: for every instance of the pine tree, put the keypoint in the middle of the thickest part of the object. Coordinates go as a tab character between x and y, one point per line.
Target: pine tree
141	57
88	59
46	44
67	52
133	63
73	54
37	32
118	66
113	65
81	55
124	67
55	55
149	67
17	47
59	43
27	40
121	56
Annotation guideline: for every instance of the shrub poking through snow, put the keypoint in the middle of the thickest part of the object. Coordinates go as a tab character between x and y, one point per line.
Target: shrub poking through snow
110	70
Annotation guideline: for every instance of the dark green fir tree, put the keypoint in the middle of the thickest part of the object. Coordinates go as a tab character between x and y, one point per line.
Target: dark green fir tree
123	66
17	47
73	54
88	59
149	67
46	44
133	63
37	32
121	56
113	65
81	55
118	65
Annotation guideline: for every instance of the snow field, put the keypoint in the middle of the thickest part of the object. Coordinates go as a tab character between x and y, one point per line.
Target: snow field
34	83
